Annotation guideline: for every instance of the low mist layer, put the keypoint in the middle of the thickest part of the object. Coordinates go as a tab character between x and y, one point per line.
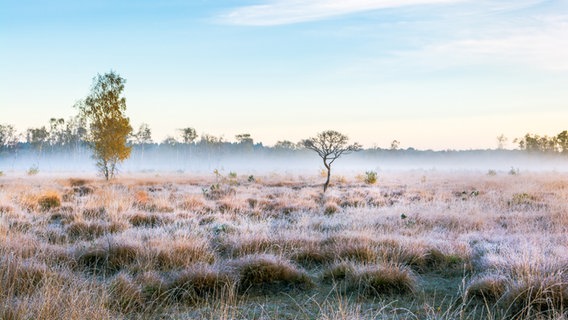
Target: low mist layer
260	160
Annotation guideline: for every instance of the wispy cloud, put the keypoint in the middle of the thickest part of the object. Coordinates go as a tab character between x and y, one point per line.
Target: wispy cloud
279	12
542	46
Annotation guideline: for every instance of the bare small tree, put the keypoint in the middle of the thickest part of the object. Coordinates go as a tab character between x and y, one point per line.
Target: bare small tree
330	145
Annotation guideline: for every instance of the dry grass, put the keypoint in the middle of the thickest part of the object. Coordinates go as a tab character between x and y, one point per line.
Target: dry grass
268	273
432	245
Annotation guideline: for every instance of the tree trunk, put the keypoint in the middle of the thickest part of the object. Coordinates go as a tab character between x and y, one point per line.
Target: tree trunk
328	176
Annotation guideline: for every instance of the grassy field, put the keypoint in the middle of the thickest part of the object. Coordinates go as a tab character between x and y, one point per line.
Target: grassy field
415	245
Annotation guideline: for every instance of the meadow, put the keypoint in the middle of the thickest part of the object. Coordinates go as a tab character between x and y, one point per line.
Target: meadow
414	245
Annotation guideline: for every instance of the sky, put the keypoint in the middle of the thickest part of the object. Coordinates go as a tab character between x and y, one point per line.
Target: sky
432	74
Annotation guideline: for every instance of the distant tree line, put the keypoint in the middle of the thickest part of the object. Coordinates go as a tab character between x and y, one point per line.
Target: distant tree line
545	144
61	135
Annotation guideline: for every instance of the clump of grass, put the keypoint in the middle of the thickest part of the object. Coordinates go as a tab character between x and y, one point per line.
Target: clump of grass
313	253
489	287
151	220
529	295
252	244
268	273
62	217
95	213
49	200
198	284
77	182
83	190
338	272
193	203
6	209
230	204
106	258
433	259
93	229
153	286
375	280
125	294
331	208
525	201
21	277
355	249
141	199
182	254
371	280
218	191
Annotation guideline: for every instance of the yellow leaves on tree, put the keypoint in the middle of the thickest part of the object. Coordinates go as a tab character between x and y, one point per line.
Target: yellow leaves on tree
109	128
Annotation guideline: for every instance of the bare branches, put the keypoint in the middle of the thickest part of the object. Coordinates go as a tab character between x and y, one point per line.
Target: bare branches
330	145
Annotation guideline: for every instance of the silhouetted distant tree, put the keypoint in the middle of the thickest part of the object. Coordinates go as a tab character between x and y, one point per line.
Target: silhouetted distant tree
210	139
562	141
285	145
501	140
109	128
8	137
188	135
37	138
395	144
143	135
536	143
244	138
330	145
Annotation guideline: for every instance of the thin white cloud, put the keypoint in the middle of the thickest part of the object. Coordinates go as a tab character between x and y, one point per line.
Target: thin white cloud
544	46
279	12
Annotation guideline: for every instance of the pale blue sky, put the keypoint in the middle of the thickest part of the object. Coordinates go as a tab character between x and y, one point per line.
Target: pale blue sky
430	73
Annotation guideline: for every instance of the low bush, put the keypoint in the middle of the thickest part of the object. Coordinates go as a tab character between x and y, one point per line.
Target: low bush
370	177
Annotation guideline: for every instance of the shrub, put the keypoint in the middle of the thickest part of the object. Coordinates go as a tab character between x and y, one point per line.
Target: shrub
33	170
49	201
370	177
